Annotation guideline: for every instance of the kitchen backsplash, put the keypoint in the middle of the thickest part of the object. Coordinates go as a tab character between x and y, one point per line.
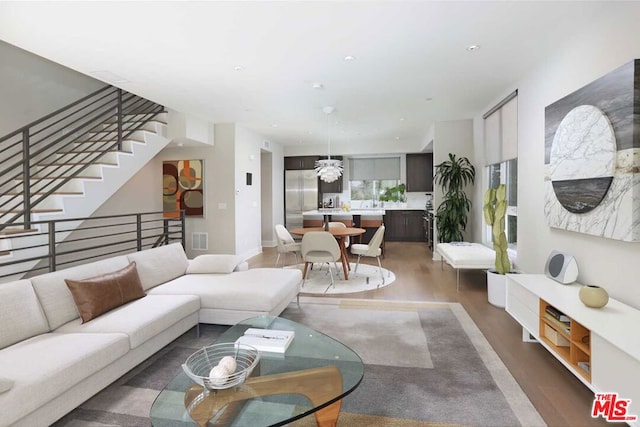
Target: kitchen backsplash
414	201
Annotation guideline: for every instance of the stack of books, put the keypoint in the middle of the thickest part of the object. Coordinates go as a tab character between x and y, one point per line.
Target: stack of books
558	318
268	340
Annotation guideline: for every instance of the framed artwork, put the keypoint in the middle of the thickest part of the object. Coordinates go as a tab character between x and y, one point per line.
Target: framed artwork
182	187
592	148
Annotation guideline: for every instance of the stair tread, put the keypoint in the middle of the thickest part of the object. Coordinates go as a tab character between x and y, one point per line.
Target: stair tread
92	151
11	232
113	122
109	140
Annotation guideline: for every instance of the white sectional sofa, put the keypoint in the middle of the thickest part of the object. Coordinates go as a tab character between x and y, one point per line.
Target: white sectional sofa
51	362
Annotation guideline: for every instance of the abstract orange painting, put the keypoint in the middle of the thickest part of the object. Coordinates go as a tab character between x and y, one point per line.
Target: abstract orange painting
182	188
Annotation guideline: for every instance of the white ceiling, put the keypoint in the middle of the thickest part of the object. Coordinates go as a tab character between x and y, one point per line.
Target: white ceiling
411	68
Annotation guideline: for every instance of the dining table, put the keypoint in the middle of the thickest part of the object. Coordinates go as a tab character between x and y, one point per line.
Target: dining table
341	234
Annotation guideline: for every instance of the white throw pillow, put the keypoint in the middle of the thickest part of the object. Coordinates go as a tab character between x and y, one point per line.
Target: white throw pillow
5	384
213	263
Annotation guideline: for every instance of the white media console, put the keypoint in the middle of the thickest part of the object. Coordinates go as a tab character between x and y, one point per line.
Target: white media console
602	347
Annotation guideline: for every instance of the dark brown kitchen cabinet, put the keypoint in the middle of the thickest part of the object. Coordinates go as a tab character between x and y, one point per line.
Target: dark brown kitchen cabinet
331	187
420	172
404	226
300	162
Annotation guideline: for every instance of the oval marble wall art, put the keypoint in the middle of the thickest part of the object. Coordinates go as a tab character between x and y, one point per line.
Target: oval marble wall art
583	159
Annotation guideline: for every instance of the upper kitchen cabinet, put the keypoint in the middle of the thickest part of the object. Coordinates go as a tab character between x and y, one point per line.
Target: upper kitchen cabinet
419	172
300	162
331	187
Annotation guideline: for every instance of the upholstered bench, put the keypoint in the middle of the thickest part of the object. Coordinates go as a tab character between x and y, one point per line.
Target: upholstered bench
465	255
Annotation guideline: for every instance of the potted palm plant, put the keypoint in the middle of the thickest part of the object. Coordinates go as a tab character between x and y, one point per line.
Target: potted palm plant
453	176
495	209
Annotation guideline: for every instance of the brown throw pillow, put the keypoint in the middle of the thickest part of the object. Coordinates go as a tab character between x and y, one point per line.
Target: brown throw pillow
97	295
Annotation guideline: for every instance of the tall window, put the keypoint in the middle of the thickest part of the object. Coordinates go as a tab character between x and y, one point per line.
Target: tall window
370	177
506	173
501	160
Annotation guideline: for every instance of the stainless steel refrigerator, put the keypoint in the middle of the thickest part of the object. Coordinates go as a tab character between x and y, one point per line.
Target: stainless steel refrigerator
300	195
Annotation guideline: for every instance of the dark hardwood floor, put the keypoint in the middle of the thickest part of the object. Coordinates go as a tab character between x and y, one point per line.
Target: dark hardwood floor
559	397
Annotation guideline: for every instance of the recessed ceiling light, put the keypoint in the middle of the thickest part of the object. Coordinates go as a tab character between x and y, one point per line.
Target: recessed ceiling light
473	47
349	58
318	86
238	68
402	119
275	125
397	138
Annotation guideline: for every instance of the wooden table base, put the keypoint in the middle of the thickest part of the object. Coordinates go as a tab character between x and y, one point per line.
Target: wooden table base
319	385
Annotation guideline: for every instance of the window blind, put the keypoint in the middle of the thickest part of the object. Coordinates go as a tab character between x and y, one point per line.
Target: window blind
366	169
501	131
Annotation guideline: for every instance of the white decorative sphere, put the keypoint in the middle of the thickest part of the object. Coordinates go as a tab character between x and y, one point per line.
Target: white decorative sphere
228	363
218	375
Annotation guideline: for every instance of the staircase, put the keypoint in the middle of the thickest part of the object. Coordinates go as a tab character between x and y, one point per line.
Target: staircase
66	165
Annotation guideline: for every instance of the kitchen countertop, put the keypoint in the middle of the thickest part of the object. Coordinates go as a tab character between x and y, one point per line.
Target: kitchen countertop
365	211
341	212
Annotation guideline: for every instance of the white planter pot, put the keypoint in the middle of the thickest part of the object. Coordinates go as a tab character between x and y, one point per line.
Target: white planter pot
496	288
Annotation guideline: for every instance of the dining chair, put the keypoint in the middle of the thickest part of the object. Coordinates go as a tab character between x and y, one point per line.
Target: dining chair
286	244
320	246
371	222
338	224
370	250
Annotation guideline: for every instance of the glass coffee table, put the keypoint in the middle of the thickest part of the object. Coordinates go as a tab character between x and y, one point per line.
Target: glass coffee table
311	377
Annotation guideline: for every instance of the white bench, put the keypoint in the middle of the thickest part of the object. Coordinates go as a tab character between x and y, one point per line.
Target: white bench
465	255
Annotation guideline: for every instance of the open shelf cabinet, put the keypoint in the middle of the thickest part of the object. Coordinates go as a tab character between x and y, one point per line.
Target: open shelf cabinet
570	340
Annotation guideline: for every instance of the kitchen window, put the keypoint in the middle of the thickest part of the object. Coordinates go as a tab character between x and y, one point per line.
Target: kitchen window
369	177
501	161
370	189
506	173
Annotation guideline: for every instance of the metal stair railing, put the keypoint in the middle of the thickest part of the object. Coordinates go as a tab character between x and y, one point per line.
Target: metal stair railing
64	243
103	120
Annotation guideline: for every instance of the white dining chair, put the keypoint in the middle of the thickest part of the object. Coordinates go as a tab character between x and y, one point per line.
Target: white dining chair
334	224
370	250
286	244
320	246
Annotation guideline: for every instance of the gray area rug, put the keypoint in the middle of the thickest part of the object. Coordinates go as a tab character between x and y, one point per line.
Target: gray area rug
426	364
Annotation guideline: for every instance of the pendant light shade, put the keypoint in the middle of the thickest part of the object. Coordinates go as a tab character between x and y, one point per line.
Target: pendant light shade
329	170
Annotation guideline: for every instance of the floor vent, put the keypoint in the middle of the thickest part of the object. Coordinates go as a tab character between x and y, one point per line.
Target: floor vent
199	241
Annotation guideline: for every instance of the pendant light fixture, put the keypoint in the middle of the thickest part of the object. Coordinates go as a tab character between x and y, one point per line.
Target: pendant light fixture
329	170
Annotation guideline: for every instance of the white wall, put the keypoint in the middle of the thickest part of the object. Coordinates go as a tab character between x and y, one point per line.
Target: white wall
142	193
611	41
455	136
33	87
233	221
248	199
272	161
